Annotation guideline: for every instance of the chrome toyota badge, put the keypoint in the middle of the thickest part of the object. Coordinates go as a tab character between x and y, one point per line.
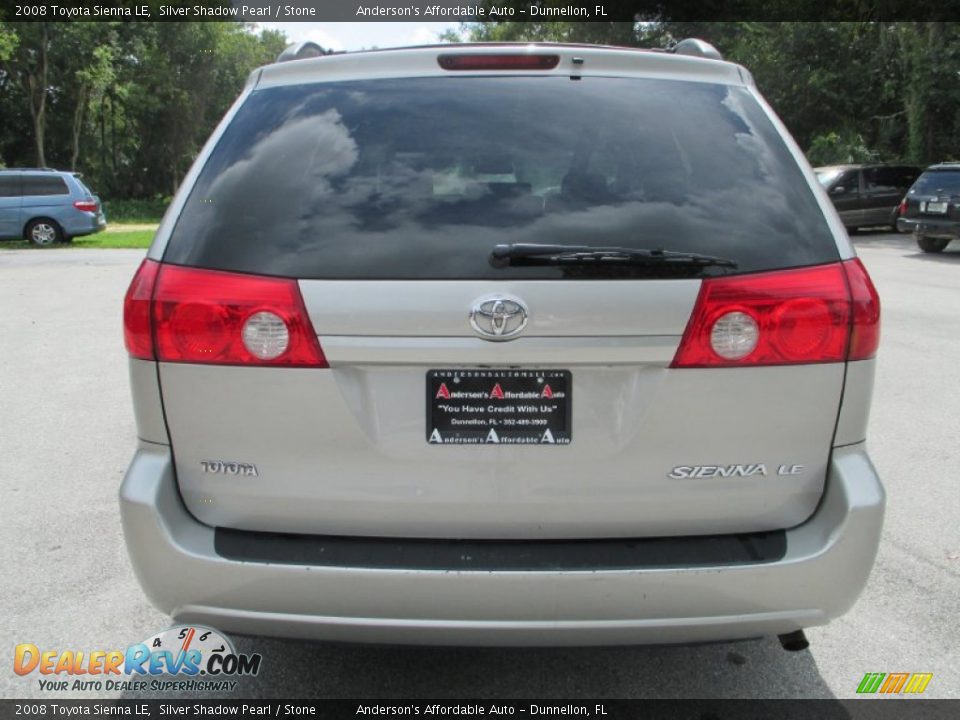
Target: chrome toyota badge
499	317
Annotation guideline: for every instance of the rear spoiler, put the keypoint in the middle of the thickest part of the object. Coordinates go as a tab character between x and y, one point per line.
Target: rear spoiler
691	46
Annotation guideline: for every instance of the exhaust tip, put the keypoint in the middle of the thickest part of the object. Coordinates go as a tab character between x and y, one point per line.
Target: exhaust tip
794	642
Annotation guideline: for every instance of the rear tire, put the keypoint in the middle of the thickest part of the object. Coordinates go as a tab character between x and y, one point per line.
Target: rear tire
931	245
43	232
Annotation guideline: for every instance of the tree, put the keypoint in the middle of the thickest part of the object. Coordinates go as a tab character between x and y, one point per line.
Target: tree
127	103
27	65
84	58
931	98
857	89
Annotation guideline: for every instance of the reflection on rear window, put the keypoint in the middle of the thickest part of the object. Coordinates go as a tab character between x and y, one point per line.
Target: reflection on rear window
421	177
828	176
83	185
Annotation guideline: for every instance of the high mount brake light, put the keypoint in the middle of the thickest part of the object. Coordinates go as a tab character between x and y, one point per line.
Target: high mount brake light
828	313
178	314
483	61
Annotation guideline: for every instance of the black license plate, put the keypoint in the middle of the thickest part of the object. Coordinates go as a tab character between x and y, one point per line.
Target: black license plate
507	407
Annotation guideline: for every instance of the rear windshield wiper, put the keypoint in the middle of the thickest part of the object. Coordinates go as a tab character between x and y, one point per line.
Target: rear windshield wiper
526	254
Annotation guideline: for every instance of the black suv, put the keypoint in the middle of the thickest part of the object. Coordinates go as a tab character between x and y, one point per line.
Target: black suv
867	195
931	209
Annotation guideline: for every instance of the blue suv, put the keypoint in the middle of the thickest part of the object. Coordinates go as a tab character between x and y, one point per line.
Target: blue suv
47	206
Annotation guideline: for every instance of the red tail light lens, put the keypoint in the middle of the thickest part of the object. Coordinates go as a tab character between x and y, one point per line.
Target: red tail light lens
178	314
808	315
902	207
137	333
207	316
514	61
865	332
85	206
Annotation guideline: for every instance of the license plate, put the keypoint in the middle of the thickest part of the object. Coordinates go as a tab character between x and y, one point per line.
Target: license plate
936	207
498	407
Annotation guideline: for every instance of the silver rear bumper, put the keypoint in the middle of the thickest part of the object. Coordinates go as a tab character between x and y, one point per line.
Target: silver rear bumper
826	565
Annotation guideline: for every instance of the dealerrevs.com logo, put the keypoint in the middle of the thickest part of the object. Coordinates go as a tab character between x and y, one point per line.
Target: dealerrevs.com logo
183	658
897	683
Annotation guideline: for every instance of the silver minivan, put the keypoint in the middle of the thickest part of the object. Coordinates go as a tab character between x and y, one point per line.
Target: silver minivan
498	344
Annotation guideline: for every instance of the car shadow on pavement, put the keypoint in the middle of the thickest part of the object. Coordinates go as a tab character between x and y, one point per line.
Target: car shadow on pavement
905	242
950	256
899	241
740	670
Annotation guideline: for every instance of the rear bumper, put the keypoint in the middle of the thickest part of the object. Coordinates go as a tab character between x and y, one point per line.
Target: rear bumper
930	227
85	223
825	566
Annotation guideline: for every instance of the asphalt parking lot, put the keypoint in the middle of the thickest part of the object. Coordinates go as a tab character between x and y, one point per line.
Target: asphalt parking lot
66	434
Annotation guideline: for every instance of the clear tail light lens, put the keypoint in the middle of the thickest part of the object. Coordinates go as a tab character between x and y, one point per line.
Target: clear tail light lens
828	313
266	335
734	335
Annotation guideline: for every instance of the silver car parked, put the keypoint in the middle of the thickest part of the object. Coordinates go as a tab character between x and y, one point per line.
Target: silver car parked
496	344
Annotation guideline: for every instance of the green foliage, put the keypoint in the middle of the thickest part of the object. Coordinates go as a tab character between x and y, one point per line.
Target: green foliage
121	239
8	42
146	210
128	104
886	91
836	149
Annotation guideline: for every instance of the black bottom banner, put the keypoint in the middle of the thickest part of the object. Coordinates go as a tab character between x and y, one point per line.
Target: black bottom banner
892	709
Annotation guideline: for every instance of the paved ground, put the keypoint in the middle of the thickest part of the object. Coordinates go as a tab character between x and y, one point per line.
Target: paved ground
67	433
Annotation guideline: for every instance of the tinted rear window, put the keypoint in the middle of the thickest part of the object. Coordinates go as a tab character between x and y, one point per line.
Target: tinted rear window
888	179
83	186
932	183
422	177
44	185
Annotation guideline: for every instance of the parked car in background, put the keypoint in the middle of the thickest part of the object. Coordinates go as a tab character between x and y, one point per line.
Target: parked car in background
47	206
931	209
867	195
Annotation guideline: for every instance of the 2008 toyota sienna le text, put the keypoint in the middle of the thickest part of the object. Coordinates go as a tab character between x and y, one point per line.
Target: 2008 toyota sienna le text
493	344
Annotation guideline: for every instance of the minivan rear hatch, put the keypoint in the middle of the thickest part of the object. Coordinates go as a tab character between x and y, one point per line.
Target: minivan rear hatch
383	200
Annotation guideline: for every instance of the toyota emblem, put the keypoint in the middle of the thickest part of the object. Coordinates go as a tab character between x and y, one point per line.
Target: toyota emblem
498	317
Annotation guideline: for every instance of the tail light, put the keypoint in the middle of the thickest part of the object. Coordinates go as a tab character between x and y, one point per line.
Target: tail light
86	205
865	328
177	314
137	332
828	313
902	207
